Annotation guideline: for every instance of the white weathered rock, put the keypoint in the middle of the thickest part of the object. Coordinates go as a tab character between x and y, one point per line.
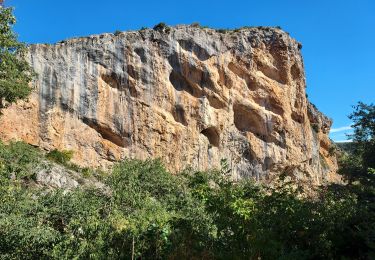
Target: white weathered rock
56	177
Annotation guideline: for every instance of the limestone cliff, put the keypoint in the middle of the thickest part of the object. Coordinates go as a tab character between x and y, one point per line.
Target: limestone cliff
188	95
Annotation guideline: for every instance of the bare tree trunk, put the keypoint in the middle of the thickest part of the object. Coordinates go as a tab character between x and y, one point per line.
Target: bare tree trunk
133	249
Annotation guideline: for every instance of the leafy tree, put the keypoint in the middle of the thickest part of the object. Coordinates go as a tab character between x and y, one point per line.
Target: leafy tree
364	133
357	165
15	72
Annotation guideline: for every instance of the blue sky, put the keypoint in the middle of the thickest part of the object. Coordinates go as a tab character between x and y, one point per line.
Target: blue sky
338	36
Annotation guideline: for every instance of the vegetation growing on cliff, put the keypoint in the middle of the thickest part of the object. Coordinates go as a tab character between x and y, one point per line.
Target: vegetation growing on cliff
162	27
15	72
150	213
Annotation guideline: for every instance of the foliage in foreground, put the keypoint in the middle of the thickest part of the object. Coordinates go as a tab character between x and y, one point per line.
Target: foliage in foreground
151	213
15	72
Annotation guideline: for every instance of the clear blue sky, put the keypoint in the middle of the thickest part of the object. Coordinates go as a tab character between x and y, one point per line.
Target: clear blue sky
338	36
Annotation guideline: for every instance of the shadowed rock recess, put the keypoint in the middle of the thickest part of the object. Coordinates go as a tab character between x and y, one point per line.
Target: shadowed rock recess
188	95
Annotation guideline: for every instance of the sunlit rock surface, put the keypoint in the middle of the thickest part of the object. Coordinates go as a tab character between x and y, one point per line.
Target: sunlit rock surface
189	96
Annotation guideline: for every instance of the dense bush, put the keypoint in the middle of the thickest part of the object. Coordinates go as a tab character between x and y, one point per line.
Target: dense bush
61	157
222	30
117	32
18	161
162	27
151	213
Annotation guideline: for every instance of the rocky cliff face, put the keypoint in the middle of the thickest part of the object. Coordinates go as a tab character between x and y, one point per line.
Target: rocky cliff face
188	95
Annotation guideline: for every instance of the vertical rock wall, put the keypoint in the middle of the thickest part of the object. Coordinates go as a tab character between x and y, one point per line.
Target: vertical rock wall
187	95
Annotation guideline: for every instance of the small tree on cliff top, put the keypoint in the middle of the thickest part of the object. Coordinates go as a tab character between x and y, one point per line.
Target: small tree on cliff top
15	72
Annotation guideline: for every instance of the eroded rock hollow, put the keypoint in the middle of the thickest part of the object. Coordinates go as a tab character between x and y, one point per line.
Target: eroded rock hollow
187	95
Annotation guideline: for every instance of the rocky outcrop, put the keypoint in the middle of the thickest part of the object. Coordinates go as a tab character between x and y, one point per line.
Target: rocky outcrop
188	95
54	176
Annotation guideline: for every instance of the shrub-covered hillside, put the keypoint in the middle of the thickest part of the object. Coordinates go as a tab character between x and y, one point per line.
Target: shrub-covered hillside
146	212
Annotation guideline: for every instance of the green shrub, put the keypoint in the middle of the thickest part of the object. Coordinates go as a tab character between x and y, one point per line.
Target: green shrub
222	30
315	127
162	27
332	150
18	160
159	26
61	157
